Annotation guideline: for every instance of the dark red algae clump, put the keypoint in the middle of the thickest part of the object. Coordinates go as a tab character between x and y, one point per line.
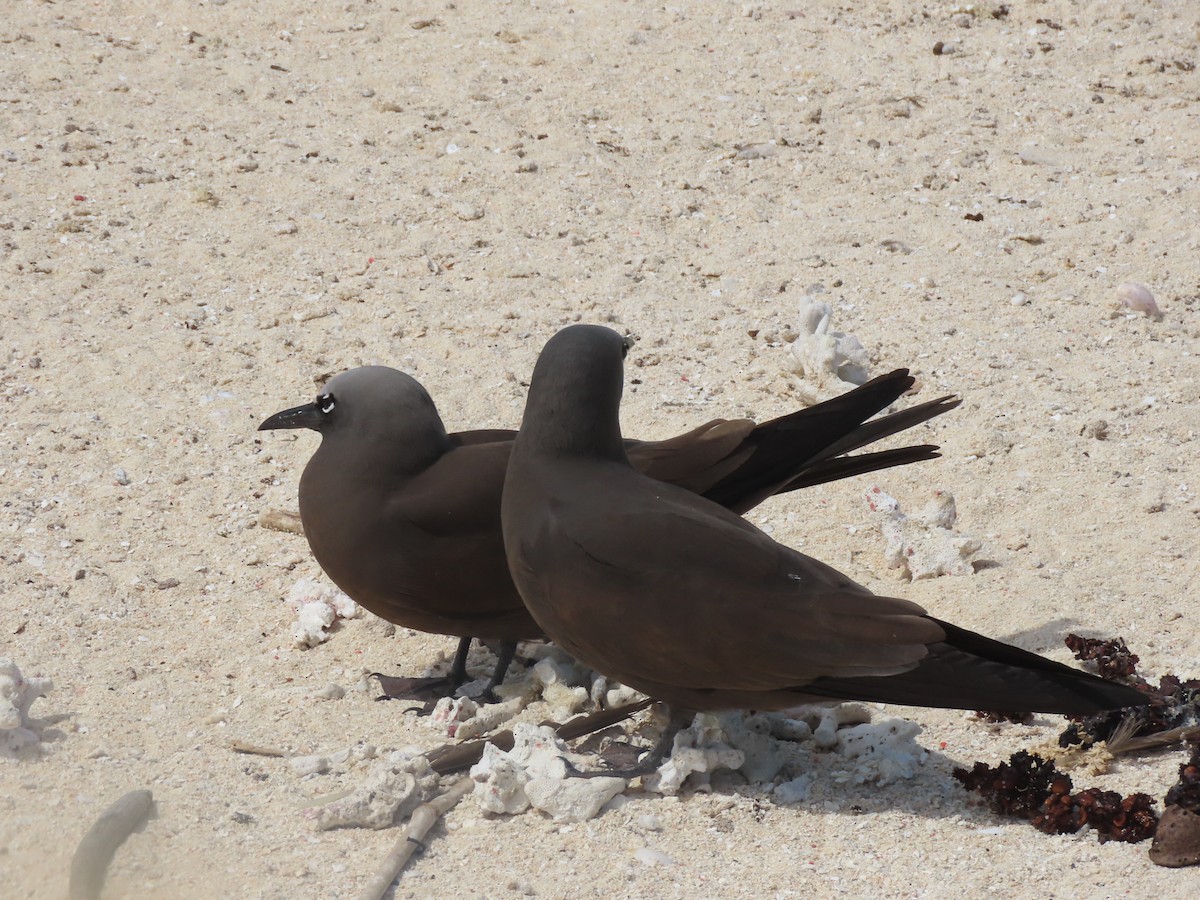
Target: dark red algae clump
1113	817
1029	787
1175	703
1018	787
1186	792
1113	658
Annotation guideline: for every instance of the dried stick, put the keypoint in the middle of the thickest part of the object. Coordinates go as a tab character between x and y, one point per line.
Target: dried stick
239	746
95	853
456	757
424	817
281	520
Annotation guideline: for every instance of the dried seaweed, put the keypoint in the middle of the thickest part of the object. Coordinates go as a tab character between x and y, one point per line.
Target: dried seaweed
1113	658
1018	787
1032	788
1186	791
1175	703
994	717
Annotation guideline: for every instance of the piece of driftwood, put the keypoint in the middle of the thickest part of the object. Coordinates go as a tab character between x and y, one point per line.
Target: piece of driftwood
456	757
281	520
95	852
424	817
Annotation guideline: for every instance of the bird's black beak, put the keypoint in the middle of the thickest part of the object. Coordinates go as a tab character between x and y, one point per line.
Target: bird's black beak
307	416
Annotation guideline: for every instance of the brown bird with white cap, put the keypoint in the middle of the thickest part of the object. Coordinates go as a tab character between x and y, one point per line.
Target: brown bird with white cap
676	596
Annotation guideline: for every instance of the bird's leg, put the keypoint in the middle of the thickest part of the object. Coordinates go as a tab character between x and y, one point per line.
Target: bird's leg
508	649
458	671
679	720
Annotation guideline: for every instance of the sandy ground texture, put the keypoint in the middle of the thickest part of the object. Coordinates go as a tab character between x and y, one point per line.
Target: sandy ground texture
209	207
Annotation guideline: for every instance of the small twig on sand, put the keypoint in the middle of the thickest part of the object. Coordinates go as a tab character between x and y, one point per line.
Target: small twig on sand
456	757
240	746
424	817
281	520
95	852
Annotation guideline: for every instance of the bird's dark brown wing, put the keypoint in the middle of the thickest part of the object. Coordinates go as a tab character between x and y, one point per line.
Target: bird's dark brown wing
665	592
434	557
482	436
690	603
739	464
860	464
459	494
696	459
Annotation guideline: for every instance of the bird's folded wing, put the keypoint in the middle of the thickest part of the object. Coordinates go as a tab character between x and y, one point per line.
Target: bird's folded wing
696	459
676	595
458	495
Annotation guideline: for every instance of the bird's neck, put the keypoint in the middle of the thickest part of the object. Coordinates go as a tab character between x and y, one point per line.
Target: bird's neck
380	461
562	425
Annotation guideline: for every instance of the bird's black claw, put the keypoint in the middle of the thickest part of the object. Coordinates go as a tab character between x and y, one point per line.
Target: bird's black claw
419	711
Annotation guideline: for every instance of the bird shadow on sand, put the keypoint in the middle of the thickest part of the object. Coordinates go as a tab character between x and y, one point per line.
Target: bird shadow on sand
931	793
1049	636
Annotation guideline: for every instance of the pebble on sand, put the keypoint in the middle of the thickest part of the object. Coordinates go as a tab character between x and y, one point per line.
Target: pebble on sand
1138	298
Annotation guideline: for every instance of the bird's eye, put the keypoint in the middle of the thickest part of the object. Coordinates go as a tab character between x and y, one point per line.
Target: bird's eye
325	403
626	344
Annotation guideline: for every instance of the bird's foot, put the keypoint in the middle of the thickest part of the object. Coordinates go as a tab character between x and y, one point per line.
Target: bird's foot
623	758
620	755
425	709
423	689
624	754
487	695
627	755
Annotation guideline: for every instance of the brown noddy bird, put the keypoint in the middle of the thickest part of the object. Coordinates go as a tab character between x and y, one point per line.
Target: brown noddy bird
405	518
676	596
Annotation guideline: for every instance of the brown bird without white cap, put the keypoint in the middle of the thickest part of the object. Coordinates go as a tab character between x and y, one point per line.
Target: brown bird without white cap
683	600
405	518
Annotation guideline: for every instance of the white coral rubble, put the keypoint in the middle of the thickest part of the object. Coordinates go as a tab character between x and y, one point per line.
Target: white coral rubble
700	749
924	545
535	773
763	745
17	694
833	361
462	718
561	686
391	791
317	607
881	752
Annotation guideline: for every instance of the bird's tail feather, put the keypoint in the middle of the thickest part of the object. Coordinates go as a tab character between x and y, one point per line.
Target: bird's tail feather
848	466
970	671
788	451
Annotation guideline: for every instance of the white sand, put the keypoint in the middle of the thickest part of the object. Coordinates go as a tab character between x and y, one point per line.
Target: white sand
207	206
